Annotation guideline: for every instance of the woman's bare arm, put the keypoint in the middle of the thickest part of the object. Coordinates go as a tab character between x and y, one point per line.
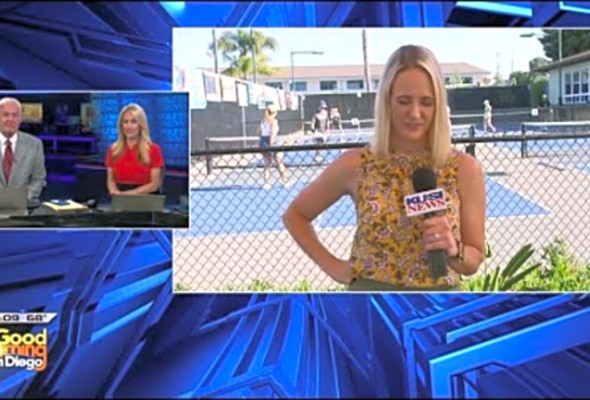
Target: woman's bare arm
336	180
111	184
472	193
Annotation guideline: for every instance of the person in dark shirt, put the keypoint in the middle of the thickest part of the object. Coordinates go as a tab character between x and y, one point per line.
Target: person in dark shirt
545	108
544	103
320	126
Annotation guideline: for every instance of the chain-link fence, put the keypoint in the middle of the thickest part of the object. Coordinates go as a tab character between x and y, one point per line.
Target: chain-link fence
537	182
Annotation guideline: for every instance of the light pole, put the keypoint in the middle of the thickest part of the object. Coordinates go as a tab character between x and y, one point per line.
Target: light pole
317	53
560	56
254	55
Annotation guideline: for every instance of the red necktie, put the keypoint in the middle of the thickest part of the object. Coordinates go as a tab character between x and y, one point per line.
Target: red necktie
7	161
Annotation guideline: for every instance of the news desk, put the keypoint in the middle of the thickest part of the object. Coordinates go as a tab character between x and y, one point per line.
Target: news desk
101	217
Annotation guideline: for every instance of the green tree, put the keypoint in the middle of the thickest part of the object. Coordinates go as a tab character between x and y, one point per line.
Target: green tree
498	80
538	62
236	48
538	87
573	41
518	78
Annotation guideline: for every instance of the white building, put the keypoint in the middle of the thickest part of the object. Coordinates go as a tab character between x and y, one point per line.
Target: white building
575	79
351	78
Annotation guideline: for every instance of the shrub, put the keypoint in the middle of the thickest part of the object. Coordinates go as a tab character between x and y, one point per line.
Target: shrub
559	271
503	279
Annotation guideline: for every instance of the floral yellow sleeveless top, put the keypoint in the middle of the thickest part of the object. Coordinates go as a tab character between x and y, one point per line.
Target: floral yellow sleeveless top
387	245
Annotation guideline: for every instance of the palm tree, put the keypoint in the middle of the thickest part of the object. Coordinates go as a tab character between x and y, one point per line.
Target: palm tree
236	48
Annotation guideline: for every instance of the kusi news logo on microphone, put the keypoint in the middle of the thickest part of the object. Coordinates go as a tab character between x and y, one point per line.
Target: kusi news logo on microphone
425	202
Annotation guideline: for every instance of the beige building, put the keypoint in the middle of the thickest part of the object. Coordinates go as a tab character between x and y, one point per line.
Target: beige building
350	78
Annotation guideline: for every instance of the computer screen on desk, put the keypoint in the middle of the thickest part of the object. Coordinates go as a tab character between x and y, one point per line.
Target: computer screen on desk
145	202
13	201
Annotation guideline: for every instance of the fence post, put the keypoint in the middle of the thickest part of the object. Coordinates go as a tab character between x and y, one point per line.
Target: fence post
244	125
523	144
208	164
470	149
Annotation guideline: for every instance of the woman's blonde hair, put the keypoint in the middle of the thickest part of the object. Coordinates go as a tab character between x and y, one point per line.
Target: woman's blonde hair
144	140
439	132
270	111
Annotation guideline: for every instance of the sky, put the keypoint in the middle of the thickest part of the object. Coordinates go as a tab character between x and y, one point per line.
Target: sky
486	48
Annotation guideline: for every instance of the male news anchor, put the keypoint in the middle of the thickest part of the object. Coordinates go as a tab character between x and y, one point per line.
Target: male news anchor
23	159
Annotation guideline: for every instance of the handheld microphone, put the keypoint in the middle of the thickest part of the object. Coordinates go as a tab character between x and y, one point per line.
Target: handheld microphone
428	201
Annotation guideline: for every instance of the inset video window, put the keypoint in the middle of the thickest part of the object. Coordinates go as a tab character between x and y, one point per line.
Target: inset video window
94	159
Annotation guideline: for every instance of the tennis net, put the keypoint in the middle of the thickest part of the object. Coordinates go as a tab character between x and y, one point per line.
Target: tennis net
223	152
566	145
556	128
503	120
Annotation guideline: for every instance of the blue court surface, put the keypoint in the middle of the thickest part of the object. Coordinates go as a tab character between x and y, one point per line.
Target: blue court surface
235	210
305	157
569	153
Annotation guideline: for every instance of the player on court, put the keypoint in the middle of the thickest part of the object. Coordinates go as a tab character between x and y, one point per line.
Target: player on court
487	117
320	123
268	130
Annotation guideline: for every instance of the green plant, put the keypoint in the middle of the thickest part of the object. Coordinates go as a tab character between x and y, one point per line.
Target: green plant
179	287
258	285
562	272
559	271
489	251
507	278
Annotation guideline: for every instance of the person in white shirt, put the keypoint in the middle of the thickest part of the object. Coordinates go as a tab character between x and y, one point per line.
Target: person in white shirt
487	117
268	130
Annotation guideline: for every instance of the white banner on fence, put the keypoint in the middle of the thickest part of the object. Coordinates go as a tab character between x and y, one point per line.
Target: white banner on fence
242	90
228	89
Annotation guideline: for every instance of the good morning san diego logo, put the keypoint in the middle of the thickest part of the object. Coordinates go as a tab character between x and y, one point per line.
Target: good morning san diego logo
25	350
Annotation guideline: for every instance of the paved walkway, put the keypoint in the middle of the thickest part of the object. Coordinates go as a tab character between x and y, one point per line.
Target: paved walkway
561	191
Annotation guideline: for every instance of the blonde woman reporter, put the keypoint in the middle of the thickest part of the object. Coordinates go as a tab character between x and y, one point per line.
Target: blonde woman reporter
389	250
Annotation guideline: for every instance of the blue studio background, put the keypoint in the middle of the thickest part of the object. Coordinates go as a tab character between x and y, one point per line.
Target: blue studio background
167	117
120	332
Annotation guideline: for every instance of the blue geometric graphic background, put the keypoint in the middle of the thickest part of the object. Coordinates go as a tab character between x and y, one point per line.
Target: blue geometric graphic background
119	331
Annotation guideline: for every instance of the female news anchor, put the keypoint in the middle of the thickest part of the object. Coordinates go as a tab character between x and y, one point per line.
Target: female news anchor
134	163
412	129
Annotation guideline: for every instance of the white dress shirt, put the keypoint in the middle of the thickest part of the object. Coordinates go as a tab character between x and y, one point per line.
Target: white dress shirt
12	142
